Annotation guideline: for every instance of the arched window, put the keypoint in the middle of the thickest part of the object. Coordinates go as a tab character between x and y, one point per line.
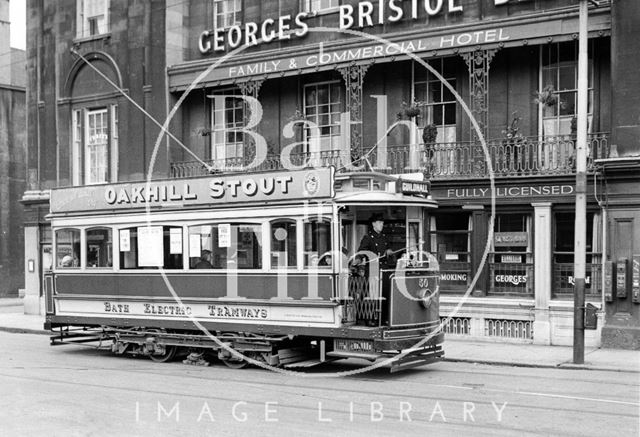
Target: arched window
283	244
68	248
99	248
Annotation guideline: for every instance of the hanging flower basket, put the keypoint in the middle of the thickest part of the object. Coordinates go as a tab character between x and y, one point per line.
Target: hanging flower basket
547	97
409	111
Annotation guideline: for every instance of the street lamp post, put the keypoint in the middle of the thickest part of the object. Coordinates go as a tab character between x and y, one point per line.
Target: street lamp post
581	190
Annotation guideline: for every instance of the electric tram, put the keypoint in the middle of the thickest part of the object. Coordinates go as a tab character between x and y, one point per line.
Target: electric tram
253	266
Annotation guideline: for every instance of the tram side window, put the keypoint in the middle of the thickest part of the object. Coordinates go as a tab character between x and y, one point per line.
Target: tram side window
225	246
317	244
99	248
172	239
160	247
283	244
68	248
129	248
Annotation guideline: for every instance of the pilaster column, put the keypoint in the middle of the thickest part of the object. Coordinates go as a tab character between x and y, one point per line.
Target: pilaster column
32	300
542	271
353	76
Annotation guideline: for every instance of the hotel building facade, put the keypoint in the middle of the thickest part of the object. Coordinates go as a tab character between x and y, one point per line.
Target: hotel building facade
477	96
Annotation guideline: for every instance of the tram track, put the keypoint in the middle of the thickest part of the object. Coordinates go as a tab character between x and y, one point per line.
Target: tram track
269	386
484	389
418	418
79	379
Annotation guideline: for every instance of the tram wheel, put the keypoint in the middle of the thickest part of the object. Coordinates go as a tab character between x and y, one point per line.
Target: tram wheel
168	355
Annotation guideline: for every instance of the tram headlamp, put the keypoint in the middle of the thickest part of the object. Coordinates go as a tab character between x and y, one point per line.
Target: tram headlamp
425	296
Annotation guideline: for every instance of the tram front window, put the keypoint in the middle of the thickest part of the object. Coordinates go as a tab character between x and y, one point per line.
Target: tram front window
225	246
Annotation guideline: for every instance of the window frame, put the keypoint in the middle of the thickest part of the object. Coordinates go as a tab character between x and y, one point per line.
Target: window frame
129	226
83	27
80	156
237	14
324	220
296	241
315	143
557	65
54	243
264	238
447	132
306	6
224	128
86	261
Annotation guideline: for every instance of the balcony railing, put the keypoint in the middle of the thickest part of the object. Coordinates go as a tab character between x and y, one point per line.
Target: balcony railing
528	156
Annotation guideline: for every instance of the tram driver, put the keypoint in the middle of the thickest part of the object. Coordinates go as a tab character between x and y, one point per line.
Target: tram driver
377	242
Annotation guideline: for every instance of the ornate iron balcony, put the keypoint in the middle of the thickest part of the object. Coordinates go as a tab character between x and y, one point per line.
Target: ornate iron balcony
519	157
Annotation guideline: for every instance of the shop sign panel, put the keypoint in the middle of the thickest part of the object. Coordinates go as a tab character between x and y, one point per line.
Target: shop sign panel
268	187
508	239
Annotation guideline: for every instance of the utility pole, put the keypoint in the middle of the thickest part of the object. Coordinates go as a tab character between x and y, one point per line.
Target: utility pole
580	239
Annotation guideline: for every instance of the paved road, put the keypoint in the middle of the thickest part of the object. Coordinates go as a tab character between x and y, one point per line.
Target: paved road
71	390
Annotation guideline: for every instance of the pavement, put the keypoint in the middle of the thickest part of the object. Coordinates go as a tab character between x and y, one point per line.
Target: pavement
13	319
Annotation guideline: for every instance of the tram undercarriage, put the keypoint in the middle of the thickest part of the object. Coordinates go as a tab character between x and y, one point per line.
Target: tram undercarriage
233	348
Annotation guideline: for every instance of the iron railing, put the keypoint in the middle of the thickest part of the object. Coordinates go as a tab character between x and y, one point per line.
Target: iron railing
520	329
525	156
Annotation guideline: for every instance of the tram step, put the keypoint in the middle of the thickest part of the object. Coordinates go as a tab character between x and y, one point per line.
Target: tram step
293	355
345	354
56	339
307	363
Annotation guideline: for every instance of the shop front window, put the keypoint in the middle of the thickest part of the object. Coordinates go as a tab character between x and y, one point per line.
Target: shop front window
563	255
450	239
511	262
